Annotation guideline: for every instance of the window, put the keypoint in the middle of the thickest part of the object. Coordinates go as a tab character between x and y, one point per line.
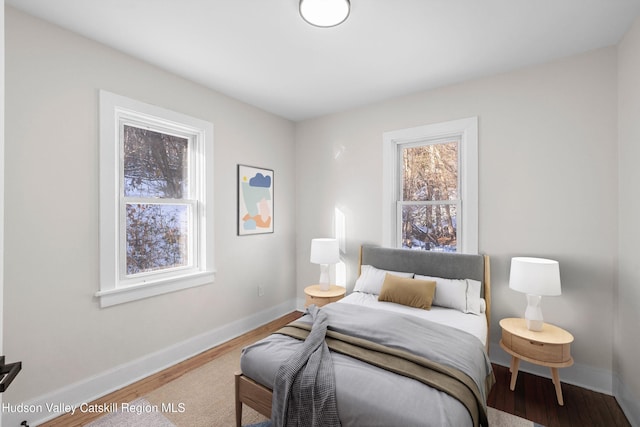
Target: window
431	187
156	196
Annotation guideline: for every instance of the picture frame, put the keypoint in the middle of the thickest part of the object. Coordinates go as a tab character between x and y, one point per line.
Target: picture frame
255	200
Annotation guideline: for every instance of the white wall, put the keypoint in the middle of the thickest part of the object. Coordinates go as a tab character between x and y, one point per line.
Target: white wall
548	180
626	344
53	322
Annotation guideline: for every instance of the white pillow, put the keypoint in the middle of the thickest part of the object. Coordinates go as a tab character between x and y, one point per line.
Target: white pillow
474	304
460	294
371	279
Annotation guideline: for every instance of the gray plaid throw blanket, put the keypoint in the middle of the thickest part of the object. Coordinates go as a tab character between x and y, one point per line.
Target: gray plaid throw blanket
304	392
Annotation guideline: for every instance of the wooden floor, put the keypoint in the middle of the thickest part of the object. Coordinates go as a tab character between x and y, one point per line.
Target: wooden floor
145	386
534	397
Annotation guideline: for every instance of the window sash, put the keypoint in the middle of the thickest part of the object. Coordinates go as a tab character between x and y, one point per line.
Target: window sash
401	147
190	199
193	147
192	252
426	142
399	218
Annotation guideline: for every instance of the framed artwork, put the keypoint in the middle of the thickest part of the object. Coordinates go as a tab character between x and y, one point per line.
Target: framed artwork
255	200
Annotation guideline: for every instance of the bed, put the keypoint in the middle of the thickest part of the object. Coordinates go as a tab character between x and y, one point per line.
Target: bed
449	375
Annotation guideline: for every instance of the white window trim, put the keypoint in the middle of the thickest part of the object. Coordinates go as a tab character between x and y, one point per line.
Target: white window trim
113	288
467	130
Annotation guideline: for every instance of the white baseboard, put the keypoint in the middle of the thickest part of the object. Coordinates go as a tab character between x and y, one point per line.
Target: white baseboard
627	401
596	379
116	378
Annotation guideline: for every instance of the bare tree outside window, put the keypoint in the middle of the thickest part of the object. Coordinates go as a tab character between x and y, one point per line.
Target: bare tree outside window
430	196
155	164
155	168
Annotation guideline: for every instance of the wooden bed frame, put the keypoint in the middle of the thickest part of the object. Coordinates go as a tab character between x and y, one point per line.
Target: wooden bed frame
259	397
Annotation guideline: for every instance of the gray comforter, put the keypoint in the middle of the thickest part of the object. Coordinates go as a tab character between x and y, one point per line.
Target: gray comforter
370	396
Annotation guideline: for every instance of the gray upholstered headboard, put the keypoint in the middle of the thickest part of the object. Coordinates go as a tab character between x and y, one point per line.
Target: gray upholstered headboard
436	264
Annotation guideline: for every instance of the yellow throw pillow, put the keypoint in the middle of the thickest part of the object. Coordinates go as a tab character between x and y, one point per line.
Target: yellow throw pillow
406	291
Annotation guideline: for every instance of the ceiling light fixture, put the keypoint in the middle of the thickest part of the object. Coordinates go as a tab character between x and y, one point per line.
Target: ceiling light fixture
325	13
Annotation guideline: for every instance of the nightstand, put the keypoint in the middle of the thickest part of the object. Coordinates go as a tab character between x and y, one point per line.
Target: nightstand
550	347
320	298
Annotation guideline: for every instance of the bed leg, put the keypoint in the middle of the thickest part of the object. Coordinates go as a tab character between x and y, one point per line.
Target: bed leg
238	401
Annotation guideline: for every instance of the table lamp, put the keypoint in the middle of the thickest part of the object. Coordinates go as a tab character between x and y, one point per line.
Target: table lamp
324	252
535	277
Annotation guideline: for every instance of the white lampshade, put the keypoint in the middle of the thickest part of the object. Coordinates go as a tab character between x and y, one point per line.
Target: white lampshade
324	252
535	277
324	13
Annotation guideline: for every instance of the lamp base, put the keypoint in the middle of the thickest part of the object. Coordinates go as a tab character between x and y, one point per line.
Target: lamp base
324	277
533	314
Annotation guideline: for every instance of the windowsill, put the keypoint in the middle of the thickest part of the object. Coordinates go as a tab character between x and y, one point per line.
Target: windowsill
109	297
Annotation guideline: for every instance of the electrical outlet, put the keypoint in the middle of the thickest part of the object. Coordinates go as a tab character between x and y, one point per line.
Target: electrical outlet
260	290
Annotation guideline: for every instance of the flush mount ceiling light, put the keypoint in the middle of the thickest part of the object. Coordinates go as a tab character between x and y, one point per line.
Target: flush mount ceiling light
324	13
